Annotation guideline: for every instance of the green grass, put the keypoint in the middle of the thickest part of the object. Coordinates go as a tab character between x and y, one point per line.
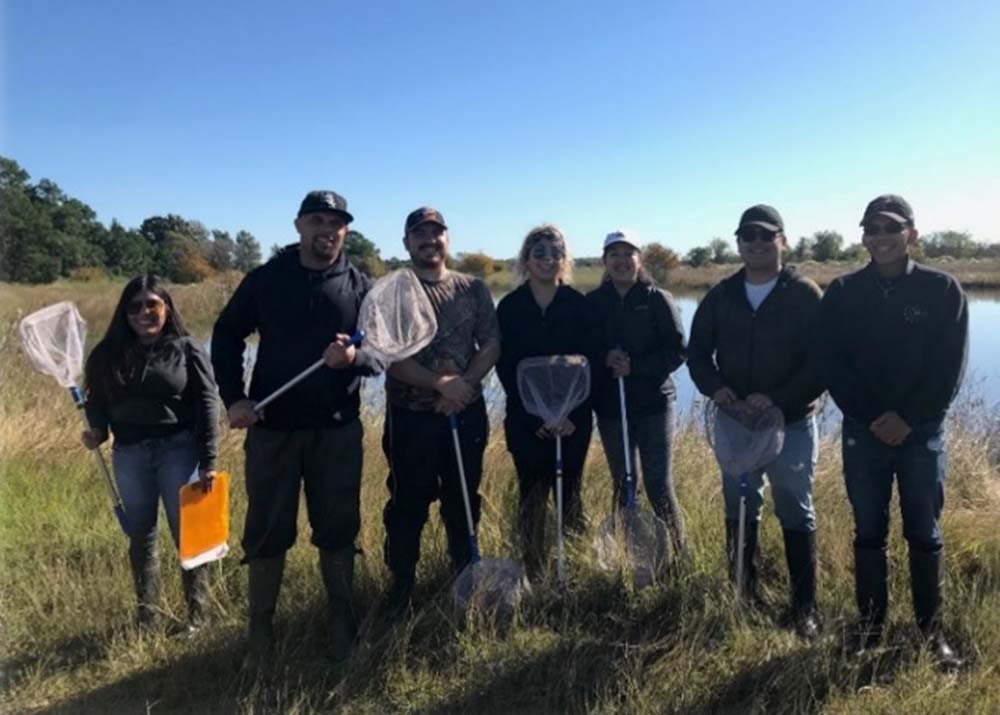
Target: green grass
67	644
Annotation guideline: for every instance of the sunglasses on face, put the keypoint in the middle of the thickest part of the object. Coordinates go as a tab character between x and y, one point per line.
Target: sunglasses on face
541	252
875	229
749	235
137	306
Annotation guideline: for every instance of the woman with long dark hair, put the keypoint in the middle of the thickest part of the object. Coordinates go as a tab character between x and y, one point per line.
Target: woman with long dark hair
543	316
643	344
150	384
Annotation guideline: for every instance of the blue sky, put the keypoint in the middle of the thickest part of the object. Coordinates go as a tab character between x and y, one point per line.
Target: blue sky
666	117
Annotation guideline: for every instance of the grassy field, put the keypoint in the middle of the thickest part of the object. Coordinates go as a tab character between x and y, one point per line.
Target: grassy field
67	644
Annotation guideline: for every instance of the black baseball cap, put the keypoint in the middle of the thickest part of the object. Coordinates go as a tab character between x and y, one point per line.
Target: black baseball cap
891	206
761	215
317	201
425	214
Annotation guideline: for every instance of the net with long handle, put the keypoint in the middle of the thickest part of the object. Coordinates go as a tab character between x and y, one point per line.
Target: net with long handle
488	585
744	439
551	387
54	338
396	320
632	540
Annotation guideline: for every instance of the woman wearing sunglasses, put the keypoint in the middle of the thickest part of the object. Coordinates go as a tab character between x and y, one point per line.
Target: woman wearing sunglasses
543	316
751	340
642	343
150	384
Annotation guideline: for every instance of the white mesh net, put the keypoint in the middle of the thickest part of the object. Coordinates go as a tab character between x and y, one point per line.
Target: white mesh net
551	386
53	338
494	586
744	439
635	541
397	317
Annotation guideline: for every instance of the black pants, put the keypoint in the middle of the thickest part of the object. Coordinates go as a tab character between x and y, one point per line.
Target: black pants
535	462
328	461
422	467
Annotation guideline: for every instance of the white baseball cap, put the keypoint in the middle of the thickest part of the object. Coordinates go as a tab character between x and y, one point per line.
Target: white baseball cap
622	235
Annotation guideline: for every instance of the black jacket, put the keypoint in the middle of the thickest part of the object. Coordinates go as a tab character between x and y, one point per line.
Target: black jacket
896	345
771	351
647	325
296	312
565	328
171	390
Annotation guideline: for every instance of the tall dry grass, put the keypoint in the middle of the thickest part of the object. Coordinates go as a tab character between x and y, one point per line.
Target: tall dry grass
681	646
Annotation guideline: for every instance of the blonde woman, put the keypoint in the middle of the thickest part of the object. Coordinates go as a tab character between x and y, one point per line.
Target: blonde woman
544	315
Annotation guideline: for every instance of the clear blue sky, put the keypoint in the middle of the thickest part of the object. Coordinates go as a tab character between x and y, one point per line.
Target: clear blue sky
666	117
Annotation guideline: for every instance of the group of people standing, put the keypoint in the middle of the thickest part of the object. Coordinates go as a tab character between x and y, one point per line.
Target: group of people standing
888	342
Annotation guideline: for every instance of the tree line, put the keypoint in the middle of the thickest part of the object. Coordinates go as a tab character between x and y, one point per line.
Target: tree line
45	235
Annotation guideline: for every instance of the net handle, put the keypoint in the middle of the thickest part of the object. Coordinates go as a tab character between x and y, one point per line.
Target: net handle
626	443
116	500
355	340
470	524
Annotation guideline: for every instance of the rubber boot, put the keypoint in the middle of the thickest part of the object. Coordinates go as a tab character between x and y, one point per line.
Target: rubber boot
196	596
927	584
748	589
800	554
531	523
264	577
143	558
871	589
337	568
399	600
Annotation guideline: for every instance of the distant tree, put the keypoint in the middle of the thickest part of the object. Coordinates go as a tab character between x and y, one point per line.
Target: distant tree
364	254
722	251
476	264
126	252
699	256
659	261
247	255
855	253
803	250
957	244
223	251
155	228
827	245
181	260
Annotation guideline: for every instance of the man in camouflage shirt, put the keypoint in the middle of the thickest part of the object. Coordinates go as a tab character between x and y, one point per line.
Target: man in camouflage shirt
423	392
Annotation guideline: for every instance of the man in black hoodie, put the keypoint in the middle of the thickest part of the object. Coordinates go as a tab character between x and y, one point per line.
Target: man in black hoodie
751	340
895	343
303	304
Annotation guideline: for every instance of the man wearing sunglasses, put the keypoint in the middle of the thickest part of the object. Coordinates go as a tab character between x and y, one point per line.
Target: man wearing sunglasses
896	338
303	304
751	340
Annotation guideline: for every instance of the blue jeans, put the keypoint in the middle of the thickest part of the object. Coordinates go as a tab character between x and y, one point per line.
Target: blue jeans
149	471
917	465
790	476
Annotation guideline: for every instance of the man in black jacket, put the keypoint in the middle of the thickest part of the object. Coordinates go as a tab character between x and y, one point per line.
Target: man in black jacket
751	340
303	304
896	338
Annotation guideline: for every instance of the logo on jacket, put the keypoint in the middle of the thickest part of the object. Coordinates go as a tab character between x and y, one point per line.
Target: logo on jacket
913	314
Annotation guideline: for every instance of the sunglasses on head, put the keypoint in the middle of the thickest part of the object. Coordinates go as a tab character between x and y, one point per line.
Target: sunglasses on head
749	235
891	227
137	306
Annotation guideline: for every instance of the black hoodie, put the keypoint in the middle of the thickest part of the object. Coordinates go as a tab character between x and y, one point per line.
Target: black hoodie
771	351
296	312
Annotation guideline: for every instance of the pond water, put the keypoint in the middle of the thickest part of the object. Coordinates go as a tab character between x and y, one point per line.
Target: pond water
982	380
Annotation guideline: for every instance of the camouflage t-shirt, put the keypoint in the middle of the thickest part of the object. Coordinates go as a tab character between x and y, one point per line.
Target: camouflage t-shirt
467	320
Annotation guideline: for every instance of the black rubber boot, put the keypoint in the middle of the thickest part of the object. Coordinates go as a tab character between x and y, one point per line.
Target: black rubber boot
399	600
748	589
337	568
264	586
144	561
927	584
871	590
800	554
196	596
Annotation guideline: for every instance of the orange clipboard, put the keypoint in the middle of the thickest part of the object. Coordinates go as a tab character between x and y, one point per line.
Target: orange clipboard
204	522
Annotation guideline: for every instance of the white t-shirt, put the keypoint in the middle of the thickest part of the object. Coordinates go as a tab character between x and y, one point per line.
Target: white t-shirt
757	292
